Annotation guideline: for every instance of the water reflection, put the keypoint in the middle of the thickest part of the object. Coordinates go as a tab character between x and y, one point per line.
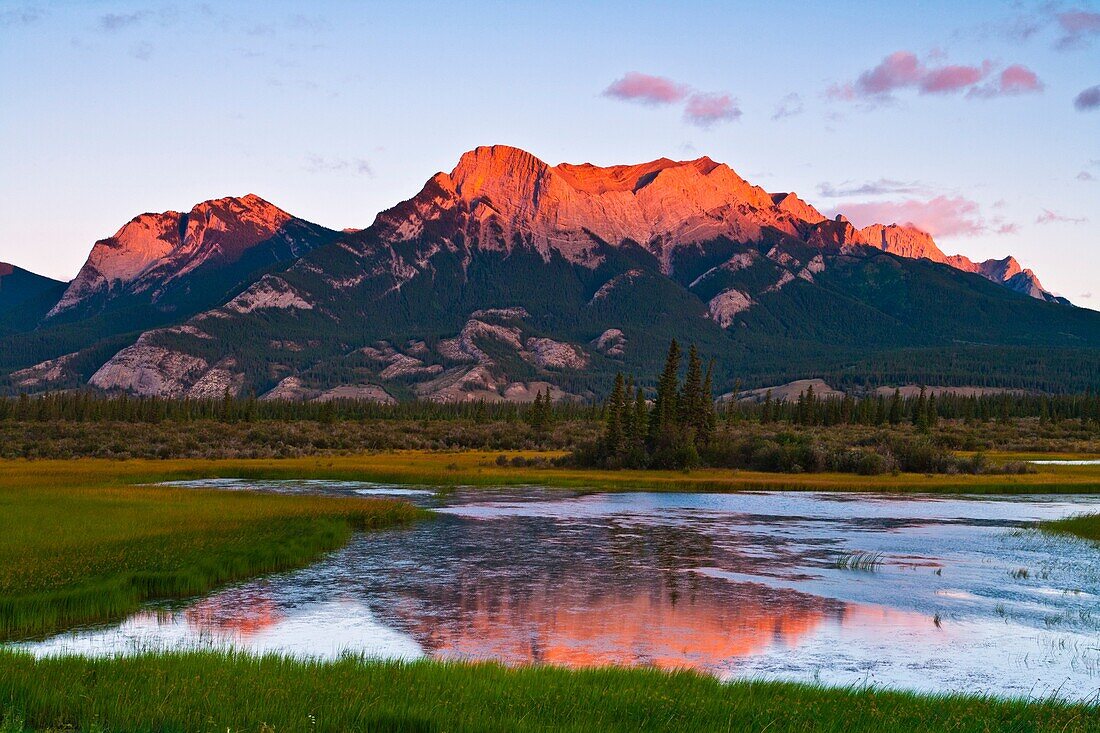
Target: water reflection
736	585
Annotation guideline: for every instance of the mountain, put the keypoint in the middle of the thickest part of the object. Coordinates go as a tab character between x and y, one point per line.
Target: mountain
508	275
909	241
24	296
157	269
173	261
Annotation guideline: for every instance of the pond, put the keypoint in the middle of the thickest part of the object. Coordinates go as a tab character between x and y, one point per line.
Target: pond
928	593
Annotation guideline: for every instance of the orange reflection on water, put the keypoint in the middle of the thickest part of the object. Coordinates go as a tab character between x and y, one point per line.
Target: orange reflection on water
230	614
568	626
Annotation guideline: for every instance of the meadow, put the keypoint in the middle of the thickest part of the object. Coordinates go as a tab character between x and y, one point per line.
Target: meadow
80	543
223	691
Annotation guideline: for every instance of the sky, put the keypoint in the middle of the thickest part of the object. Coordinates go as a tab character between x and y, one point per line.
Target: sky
977	121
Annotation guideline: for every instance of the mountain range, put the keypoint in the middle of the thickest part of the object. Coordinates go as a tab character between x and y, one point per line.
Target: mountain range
508	275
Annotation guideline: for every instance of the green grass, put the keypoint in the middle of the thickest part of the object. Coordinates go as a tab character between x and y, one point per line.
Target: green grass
80	545
211	691
1085	526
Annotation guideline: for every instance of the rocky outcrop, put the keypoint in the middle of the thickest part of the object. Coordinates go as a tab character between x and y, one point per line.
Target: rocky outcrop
551	354
724	306
46	375
147	368
611	342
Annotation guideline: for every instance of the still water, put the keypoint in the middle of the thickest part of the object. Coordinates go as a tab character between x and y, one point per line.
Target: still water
965	596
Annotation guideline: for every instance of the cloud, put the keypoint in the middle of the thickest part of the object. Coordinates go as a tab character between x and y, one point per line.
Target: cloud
636	87
702	109
951	79
1086	295
321	164
705	110
21	16
904	70
1078	28
941	216
871	188
1049	217
1085	176
1089	99
118	21
789	106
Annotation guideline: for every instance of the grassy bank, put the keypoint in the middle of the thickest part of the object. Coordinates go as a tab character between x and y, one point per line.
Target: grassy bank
217	691
483	468
1085	526
79	543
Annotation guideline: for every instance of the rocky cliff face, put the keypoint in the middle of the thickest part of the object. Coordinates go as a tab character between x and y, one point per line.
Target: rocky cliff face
156	254
908	241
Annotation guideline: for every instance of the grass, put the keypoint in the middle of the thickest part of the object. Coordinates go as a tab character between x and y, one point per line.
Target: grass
1085	526
865	561
479	468
223	691
80	544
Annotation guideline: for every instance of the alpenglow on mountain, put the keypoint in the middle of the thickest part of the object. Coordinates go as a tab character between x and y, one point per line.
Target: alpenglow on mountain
508	275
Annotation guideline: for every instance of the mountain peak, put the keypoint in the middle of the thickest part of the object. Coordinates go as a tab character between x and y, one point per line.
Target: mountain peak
570	208
155	248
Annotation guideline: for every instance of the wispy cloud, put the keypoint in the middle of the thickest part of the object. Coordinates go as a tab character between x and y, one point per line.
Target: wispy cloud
1079	28
1050	217
880	187
24	15
118	21
322	164
1088	100
704	110
789	106
904	70
941	216
647	89
1085	176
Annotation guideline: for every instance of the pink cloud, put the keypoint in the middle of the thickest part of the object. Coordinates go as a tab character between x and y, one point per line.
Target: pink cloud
1077	27
706	109
951	79
942	216
1018	79
899	69
1049	217
1014	80
903	70
636	87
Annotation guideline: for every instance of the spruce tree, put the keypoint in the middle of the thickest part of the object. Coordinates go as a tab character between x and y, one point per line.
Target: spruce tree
613	430
895	407
691	400
662	420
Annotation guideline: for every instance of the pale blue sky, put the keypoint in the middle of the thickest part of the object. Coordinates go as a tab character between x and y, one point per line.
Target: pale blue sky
335	111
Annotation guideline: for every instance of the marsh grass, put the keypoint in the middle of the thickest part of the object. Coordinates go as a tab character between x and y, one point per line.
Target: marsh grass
199	691
864	561
78	545
1085	526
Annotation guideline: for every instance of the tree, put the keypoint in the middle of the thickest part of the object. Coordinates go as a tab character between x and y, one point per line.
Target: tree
691	417
662	420
895	407
613	421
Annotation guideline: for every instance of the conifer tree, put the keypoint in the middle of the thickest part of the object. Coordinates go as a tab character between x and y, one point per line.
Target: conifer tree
895	407
662	419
